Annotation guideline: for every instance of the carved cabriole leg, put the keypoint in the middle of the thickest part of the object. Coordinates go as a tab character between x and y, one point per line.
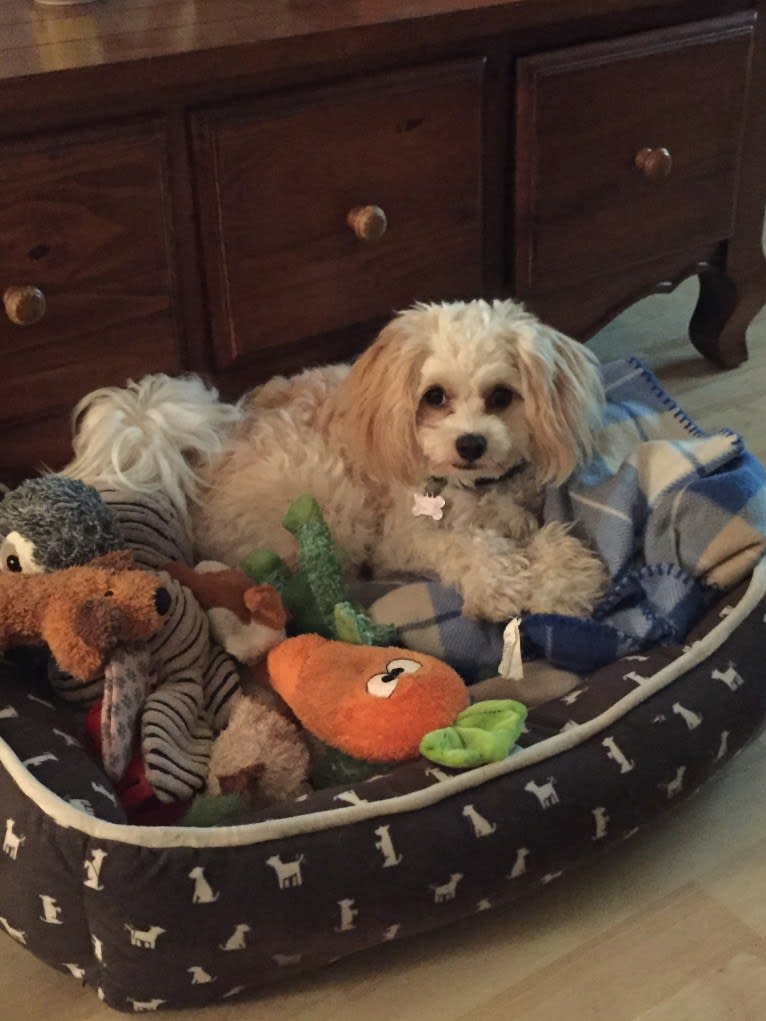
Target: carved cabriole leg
717	302
732	294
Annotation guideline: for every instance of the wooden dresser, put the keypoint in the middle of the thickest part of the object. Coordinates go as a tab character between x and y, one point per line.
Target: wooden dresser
239	188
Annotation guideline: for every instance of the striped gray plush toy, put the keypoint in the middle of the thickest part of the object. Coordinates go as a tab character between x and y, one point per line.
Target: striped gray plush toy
194	680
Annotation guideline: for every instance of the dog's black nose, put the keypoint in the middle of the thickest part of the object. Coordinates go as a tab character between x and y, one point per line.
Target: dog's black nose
471	446
162	601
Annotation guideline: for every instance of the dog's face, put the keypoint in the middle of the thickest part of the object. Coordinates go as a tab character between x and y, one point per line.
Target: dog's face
469	390
470	419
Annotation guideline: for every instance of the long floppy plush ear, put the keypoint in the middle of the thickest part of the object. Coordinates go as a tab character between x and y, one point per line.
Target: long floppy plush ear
377	405
563	397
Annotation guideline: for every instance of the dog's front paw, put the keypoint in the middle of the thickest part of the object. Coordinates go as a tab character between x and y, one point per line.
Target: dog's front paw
499	591
566	577
491	606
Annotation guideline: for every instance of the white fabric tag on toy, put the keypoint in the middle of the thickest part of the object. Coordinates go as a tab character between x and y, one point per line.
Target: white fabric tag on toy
511	666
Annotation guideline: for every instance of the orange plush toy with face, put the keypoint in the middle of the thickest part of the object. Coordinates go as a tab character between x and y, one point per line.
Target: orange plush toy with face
364	708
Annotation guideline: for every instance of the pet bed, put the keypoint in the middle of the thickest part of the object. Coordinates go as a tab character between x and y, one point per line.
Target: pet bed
167	917
176	917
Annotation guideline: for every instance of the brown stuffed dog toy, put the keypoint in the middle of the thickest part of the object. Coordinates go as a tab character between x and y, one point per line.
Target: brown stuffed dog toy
82	613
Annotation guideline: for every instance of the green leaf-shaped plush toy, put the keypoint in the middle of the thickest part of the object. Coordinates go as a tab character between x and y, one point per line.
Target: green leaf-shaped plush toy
484	732
315	596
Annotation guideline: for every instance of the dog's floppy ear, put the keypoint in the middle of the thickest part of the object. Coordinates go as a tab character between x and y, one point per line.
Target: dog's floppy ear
377	405
563	398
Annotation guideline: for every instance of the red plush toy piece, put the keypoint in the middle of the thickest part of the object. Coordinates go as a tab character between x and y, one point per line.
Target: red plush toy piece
136	794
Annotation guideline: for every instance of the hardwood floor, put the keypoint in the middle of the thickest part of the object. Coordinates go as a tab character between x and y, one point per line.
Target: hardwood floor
671	928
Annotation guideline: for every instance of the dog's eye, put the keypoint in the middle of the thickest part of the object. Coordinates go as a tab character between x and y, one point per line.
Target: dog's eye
435	396
498	398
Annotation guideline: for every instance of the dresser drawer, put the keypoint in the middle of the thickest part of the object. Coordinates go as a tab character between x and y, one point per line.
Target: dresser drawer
278	178
628	150
84	267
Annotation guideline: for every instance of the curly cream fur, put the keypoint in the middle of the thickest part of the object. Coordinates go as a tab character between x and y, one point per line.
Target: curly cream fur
158	431
363	440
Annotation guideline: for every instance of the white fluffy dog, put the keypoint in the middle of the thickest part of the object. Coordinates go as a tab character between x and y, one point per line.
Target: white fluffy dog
460	411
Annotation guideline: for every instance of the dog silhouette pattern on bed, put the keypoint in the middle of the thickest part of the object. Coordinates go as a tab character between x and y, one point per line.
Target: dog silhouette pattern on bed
152	928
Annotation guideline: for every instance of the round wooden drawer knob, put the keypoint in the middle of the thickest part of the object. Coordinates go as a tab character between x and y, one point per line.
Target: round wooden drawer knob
654	164
369	223
24	306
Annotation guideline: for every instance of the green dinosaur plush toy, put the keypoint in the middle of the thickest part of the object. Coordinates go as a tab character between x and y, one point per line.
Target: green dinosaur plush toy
315	596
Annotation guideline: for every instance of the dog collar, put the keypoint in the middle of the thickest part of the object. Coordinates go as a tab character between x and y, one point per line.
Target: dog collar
514	470
430	503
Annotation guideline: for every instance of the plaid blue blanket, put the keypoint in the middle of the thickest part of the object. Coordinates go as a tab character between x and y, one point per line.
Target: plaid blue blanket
678	515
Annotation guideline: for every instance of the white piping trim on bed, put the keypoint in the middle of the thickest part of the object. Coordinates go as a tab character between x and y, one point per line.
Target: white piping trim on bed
64	814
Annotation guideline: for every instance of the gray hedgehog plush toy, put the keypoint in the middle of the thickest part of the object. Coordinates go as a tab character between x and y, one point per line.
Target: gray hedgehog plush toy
53	522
